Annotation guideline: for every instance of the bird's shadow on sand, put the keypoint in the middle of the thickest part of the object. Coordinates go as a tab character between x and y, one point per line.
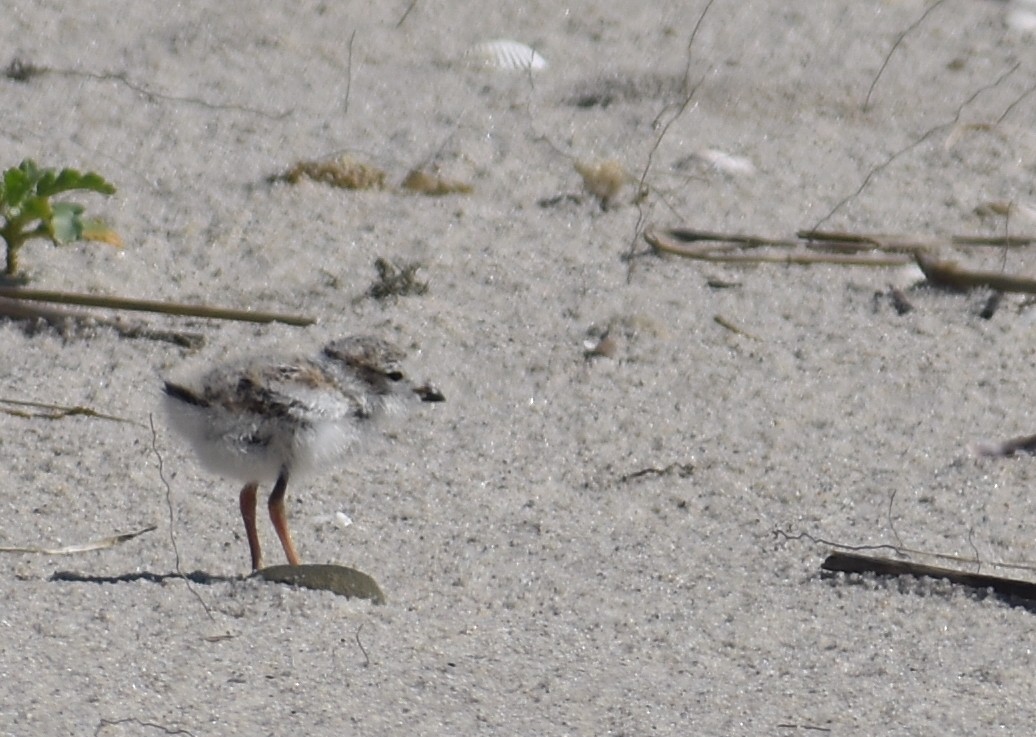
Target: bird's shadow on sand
198	577
339	580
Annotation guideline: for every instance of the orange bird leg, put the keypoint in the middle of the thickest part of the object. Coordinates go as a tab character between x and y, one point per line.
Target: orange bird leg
248	515
280	519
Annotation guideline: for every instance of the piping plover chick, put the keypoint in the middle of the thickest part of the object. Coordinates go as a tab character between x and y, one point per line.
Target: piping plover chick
265	421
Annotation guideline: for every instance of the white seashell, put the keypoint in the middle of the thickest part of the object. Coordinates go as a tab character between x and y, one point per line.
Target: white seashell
338	519
725	163
907	276
1021	16
504	55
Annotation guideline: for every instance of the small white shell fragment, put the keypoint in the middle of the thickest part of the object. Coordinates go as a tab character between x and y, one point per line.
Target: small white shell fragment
725	163
907	276
1021	16
338	519
504	55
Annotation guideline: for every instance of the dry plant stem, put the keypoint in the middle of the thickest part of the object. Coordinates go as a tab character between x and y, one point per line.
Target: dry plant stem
896	250
878	168
123	78
994	241
142	305
690	235
895	45
406	13
58	411
856	563
948	274
102	544
689	92
724	322
912	243
163	728
842	241
663	244
349	74
172	517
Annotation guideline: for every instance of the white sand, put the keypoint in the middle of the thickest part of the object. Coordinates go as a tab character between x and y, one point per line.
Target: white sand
532	589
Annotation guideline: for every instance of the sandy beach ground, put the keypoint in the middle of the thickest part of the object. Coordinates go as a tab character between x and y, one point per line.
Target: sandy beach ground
568	546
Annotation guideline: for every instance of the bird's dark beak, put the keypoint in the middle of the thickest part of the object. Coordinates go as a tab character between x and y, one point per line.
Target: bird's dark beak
429	394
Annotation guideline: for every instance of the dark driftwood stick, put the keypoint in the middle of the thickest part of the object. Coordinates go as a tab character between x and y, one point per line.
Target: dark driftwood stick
855	563
1003	449
948	274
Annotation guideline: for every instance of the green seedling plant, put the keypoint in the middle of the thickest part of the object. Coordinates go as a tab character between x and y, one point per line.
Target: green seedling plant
27	211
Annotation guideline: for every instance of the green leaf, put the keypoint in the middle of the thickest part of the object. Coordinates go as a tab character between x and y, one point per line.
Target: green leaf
66	225
45	182
35	208
29	168
17	184
51	184
96	183
26	210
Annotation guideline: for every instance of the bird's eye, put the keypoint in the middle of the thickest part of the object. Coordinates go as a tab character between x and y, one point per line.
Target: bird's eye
394	375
